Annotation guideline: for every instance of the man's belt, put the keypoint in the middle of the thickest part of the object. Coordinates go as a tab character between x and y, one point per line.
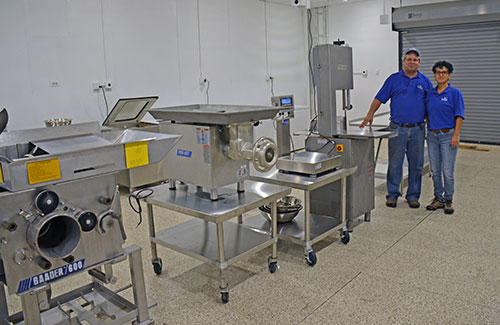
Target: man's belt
446	130
407	125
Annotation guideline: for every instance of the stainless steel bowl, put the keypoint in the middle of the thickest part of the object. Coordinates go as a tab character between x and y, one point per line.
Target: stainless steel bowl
57	122
287	209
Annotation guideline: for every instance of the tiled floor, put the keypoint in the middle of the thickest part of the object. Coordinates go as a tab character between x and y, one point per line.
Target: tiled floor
406	266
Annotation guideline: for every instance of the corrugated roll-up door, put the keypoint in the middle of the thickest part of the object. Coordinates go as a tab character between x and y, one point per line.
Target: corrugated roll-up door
474	51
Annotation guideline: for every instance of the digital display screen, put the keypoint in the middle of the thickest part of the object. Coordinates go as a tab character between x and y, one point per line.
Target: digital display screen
286	101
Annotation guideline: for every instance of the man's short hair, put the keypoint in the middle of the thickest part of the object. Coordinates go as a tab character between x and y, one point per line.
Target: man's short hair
443	64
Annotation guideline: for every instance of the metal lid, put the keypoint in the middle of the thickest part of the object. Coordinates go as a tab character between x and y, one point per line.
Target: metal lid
128	112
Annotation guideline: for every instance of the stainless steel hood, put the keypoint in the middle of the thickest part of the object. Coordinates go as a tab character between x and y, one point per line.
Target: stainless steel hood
30	164
446	13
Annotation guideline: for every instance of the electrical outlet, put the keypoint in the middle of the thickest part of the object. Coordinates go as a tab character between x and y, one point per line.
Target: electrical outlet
269	77
203	81
98	85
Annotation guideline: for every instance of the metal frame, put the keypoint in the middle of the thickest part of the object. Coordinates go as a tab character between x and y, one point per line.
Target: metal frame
323	225
222	243
92	294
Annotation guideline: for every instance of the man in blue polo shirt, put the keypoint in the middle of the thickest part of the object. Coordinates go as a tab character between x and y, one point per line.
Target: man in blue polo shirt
406	90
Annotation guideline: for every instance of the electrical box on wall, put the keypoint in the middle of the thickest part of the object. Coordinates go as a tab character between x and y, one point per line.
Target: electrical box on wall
302	3
98	85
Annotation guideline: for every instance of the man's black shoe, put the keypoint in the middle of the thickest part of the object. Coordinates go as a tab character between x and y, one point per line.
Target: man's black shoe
414	204
391	203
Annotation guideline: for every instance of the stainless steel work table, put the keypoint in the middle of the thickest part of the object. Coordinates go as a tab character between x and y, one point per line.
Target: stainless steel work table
208	237
306	228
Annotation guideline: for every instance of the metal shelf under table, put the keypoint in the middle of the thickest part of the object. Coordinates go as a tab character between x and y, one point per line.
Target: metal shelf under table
307	228
321	227
210	237
198	238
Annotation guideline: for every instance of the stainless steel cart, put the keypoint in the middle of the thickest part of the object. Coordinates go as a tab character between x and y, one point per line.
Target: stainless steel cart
209	238
307	228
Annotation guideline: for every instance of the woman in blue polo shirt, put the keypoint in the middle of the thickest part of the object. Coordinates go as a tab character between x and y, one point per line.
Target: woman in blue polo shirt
445	113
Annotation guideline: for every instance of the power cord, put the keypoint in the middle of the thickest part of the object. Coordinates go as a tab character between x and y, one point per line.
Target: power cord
105	99
137	195
208	88
310	44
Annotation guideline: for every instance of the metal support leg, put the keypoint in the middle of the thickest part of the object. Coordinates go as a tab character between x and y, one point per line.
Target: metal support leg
214	195
240	219
343	185
222	256
368	216
241	187
139	287
224	287
310	255
31	311
171	183
151	223
4	308
307	221
274	216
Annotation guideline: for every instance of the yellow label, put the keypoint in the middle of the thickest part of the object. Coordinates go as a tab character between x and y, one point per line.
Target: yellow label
1	174
43	171
340	148
136	154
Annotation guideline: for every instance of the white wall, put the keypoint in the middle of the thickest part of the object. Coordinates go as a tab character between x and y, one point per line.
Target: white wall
52	50
374	46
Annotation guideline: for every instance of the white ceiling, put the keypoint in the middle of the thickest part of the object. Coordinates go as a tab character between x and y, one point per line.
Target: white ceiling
316	3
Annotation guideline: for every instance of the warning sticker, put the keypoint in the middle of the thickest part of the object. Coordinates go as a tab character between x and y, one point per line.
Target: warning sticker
43	171
136	154
203	139
203	136
1	174
340	148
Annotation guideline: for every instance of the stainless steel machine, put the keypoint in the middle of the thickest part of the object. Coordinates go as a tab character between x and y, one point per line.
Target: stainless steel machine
220	136
336	171
60	214
332	73
217	144
286	104
211	161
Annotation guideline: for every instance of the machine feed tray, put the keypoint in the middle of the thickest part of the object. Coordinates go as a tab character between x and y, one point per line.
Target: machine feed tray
308	162
214	114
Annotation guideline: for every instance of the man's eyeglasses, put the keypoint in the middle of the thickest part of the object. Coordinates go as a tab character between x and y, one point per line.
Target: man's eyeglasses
442	73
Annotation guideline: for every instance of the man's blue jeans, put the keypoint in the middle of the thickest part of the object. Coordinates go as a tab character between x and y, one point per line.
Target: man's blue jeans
442	158
409	142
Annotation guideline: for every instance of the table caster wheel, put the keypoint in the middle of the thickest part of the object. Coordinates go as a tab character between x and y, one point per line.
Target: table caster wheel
273	266
224	297
345	237
311	258
157	266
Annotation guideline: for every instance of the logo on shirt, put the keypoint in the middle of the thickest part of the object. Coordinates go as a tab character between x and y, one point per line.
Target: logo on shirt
420	87
444	99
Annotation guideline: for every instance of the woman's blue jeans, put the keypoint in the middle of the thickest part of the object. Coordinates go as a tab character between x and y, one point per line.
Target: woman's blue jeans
409	142
442	157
